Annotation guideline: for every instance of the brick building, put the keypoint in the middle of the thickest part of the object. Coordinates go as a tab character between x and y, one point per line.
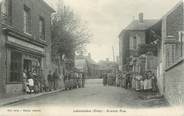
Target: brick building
25	42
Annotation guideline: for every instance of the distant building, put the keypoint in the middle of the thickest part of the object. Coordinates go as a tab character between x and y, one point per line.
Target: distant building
25	42
107	66
87	65
81	63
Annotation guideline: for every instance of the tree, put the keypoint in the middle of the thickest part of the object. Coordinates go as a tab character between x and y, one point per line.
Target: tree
147	48
69	35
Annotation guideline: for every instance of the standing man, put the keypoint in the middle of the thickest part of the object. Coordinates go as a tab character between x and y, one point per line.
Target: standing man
55	79
49	79
104	76
83	80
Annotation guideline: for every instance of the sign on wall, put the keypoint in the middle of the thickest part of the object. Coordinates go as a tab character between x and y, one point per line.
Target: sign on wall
25	44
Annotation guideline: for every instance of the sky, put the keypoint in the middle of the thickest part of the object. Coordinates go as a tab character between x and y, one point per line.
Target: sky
107	18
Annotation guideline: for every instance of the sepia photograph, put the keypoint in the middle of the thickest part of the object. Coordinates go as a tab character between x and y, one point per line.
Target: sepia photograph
91	58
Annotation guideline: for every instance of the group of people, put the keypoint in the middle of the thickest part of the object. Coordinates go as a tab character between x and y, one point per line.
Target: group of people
109	78
145	82
136	81
52	79
74	80
32	82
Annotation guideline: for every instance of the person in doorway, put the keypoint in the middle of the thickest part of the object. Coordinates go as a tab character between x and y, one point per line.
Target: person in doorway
49	79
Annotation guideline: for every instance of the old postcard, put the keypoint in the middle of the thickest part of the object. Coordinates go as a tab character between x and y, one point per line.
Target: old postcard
91	57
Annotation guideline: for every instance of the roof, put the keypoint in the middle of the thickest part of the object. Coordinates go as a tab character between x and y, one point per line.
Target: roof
136	25
48	6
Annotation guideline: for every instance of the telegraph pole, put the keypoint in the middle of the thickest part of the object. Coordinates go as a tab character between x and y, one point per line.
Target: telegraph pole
113	54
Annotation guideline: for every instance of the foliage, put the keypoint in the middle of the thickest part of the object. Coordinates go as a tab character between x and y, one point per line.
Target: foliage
69	35
147	48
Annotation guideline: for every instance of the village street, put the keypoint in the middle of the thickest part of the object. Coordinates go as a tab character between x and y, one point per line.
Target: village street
94	95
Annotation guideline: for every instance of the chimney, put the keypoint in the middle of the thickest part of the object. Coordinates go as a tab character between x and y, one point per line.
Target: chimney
141	17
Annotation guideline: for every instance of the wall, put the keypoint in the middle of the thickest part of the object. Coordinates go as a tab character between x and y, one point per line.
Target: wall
2	63
174	77
174	81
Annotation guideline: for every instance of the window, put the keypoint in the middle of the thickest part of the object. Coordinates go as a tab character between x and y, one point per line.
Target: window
180	44
170	54
174	51
131	43
135	43
42	28
27	20
15	67
6	11
3	7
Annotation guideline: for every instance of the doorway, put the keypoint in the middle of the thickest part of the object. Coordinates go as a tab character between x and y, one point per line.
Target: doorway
27	64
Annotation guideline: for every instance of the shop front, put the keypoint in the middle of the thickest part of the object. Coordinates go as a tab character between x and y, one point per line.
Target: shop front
21	56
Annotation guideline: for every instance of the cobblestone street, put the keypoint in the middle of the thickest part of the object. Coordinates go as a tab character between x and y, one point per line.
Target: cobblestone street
94	95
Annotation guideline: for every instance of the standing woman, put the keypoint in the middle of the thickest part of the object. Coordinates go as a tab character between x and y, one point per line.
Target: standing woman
138	82
154	83
146	82
149	81
142	82
31	83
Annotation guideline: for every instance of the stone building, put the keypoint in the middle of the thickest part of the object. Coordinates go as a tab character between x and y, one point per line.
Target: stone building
135	34
25	42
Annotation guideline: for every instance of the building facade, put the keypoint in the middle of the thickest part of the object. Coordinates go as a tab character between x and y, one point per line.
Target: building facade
25	42
172	54
168	35
134	35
